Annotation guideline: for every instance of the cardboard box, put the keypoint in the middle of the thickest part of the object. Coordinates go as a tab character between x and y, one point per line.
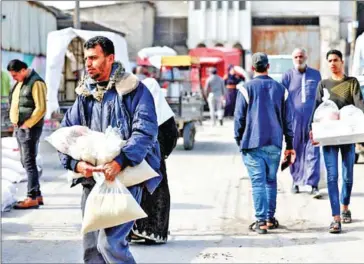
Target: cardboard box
338	132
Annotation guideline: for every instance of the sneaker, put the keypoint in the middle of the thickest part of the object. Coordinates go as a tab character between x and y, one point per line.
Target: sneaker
315	193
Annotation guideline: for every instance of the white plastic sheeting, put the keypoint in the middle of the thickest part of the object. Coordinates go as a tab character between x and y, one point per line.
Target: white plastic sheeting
154	54
25	27
57	45
156	51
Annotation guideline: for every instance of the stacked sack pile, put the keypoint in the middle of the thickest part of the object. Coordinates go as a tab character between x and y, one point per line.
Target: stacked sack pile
12	171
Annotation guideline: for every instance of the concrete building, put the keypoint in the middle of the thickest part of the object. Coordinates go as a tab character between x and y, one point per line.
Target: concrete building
275	27
171	25
25	27
134	18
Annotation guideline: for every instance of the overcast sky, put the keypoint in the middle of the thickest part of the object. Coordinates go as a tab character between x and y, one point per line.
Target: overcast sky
71	4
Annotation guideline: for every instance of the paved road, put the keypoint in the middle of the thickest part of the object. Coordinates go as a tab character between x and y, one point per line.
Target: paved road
211	211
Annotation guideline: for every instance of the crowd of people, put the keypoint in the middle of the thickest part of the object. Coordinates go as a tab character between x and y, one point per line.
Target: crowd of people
287	108
135	104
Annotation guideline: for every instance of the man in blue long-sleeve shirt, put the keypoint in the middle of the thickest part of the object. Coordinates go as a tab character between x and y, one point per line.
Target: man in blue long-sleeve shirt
262	116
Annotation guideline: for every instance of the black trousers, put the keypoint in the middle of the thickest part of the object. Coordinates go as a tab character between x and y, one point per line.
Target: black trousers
28	142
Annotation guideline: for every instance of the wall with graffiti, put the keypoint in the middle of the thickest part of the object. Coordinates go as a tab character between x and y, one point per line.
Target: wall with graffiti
38	63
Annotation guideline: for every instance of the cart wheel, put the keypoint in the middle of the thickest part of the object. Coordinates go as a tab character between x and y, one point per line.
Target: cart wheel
189	132
356	157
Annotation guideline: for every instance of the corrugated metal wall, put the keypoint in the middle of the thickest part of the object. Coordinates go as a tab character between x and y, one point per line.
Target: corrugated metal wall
25	27
282	40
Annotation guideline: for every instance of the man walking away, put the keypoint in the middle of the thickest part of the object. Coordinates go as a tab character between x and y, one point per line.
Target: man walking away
343	91
27	110
301	82
215	94
262	117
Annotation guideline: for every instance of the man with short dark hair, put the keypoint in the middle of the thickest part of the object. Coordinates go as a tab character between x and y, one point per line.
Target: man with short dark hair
343	91
215	94
262	117
27	110
108	96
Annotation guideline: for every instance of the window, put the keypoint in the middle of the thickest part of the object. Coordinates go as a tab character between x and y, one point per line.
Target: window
219	4
242	5
231	3
197	4
208	4
170	31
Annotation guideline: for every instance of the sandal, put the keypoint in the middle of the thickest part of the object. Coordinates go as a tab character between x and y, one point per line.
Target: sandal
272	223
335	227
346	217
259	226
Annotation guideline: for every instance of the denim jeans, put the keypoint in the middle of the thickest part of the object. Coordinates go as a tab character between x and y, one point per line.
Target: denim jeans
331	162
28	142
262	164
108	245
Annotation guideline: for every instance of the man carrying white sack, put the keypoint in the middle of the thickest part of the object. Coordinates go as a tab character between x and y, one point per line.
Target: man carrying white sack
107	96
343	91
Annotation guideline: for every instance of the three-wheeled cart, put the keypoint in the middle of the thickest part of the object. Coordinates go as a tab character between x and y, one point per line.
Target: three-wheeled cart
180	77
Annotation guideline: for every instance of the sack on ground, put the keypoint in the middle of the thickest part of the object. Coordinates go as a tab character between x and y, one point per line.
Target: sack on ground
9	143
13	165
109	204
8	192
11	175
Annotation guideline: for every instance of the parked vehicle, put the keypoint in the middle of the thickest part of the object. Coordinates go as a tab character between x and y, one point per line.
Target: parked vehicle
279	64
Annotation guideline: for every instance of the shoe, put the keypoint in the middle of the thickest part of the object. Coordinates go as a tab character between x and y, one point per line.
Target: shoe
221	122
28	203
259	227
40	200
315	193
296	189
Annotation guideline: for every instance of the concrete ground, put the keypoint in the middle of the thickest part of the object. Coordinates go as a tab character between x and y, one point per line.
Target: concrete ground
211	210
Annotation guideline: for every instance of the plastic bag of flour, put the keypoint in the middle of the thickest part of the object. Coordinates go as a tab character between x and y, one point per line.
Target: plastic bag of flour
327	110
8	192
130	176
350	112
98	149
109	204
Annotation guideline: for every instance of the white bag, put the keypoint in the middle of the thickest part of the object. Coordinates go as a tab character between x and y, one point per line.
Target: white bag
350	112
8	191
11	154
13	165
62	139
11	175
327	110
9	143
130	176
109	204
98	148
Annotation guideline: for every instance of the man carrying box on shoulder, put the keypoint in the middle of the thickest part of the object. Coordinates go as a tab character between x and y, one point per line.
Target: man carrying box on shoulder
343	91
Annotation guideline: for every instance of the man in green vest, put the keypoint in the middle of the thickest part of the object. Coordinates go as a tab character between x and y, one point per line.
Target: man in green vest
27	109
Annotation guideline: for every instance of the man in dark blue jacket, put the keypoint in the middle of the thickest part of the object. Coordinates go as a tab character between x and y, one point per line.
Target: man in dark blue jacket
108	96
262	116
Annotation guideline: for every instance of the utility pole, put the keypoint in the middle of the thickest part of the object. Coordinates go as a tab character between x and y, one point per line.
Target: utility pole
76	15
354	26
